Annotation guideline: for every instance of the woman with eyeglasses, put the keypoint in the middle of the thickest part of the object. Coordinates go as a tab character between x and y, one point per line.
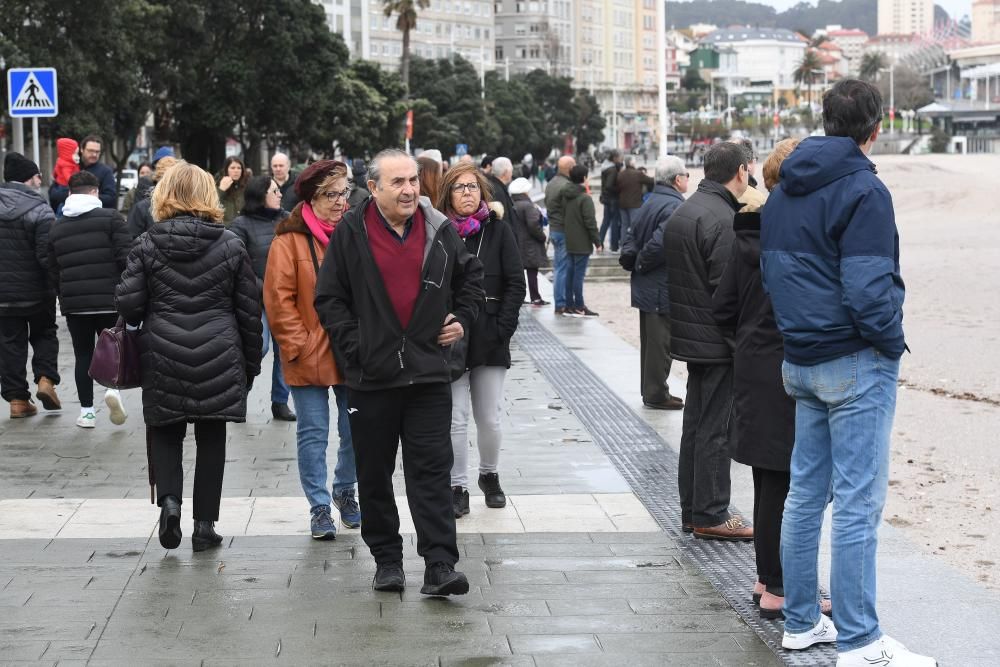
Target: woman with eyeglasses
255	226
464	198
297	251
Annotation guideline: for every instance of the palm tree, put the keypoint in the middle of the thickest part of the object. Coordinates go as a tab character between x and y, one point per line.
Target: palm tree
871	63
406	20
806	71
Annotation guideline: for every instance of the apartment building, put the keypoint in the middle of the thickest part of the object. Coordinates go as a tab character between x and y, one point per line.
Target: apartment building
986	21
905	17
534	34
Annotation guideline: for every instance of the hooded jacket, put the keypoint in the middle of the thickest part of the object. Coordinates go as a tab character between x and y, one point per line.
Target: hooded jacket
697	242
830	255
190	284
289	292
642	250
25	221
257	231
66	166
88	247
373	350
579	220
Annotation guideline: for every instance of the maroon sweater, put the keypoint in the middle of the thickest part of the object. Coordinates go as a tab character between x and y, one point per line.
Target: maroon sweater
399	263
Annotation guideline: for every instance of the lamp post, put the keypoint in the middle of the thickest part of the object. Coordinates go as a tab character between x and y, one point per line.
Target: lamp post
892	98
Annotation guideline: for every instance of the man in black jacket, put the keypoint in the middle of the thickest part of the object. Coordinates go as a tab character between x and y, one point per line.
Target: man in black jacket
642	254
90	160
698	241
499	178
396	290
27	301
609	199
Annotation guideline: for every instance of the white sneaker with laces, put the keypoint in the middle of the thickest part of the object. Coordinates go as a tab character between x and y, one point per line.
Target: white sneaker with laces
113	399
825	632
86	420
884	652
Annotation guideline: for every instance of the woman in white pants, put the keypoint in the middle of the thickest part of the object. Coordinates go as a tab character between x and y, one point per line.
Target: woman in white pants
465	198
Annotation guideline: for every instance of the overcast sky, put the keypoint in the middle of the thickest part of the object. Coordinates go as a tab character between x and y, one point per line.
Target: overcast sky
956	8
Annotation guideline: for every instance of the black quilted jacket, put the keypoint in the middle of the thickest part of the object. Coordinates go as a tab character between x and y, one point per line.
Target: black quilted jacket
25	219
191	285
87	255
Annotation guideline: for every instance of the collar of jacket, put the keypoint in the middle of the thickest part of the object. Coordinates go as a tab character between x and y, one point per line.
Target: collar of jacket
294	223
747	221
667	191
434	220
711	187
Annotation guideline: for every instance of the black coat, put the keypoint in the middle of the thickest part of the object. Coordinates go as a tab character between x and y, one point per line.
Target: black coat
108	184
191	285
764	413
25	220
372	349
257	231
642	251
500	194
140	218
697	242
87	255
527	222
488	343
288	197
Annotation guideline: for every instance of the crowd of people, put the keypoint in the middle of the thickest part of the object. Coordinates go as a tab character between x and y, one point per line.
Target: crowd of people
396	286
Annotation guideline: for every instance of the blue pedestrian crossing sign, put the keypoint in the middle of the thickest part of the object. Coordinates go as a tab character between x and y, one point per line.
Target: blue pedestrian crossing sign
31	92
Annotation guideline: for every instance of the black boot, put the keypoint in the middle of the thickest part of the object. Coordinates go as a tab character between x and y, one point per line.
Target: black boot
204	536
170	522
489	484
443	579
282	412
459	501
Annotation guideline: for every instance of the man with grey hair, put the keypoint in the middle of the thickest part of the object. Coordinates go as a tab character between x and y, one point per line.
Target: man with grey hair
499	178
396	290
642	255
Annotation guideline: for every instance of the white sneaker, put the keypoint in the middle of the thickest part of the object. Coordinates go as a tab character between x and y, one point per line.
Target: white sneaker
824	632
113	400
884	652
87	420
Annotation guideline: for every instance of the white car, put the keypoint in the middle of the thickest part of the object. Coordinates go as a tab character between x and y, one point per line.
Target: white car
130	178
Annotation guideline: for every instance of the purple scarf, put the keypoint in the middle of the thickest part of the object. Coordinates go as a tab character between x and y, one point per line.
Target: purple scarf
466	227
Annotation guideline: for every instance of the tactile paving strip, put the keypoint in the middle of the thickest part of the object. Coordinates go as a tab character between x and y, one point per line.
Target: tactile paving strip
649	465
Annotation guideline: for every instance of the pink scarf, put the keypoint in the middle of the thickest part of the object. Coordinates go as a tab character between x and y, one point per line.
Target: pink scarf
467	226
321	229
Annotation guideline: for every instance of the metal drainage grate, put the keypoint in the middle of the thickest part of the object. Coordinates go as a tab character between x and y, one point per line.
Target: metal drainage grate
649	465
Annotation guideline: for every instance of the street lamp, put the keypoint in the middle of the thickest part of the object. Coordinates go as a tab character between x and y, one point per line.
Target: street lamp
892	98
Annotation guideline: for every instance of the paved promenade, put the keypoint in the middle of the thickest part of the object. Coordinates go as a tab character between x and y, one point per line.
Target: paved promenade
586	565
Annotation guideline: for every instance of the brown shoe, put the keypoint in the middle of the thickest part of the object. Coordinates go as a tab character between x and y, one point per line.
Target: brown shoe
47	394
733	530
672	403
19	409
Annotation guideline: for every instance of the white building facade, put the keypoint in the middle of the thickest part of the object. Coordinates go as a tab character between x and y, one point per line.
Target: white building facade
756	57
905	17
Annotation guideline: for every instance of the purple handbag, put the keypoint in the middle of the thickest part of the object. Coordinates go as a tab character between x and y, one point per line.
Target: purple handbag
116	358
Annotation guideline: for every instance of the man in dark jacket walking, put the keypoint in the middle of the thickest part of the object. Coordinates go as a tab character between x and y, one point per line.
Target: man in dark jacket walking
698	241
830	262
609	199
27	300
631	184
90	160
396	290
642	255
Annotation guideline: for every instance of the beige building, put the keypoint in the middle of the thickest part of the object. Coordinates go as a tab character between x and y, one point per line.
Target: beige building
535	34
905	17
986	21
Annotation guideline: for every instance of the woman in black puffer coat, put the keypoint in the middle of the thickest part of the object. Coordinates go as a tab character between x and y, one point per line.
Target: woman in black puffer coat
190	283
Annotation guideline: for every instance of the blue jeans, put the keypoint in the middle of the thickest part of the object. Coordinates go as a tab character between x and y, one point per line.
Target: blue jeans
312	432
559	282
279	389
612	220
576	271
843	421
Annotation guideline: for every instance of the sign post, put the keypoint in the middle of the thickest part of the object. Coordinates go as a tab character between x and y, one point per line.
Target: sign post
31	93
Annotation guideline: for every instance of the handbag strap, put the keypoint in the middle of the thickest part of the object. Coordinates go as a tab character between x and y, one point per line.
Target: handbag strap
312	251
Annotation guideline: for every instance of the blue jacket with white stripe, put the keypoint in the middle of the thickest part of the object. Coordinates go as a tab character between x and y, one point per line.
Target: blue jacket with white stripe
830	255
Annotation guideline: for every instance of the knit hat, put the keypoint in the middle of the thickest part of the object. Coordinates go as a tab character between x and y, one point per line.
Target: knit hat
162	151
66	166
312	176
433	154
519	186
18	169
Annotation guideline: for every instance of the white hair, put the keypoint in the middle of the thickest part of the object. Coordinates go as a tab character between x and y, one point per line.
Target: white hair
668	168
630	161
502	165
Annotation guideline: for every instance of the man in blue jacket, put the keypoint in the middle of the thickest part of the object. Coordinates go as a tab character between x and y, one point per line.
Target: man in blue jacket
830	262
90	160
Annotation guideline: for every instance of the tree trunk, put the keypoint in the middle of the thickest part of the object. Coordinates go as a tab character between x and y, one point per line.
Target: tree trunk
404	65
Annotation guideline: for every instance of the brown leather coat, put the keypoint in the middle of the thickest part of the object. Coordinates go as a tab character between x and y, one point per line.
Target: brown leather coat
289	290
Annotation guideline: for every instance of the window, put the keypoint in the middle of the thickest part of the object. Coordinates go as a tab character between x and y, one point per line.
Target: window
647	22
498	53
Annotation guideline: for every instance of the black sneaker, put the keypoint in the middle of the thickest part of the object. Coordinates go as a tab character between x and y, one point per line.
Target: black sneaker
489	484
281	412
586	312
460	501
443	579
389	577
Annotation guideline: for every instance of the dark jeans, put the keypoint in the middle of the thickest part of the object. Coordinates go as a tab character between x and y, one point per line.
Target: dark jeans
83	330
532	275
703	475
612	220
210	461
654	355
576	271
19	328
419	416
626	215
769	490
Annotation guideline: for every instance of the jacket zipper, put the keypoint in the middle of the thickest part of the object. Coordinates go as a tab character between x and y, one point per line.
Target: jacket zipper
400	351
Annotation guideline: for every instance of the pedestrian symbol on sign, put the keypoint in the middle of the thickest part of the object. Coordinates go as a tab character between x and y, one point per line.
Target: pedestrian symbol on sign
32	96
32	92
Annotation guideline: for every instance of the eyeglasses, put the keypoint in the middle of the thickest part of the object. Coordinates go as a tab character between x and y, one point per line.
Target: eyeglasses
334	196
274	191
685	174
465	187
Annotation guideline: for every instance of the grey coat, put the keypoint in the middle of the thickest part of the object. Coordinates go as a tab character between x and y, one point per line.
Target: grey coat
528	231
